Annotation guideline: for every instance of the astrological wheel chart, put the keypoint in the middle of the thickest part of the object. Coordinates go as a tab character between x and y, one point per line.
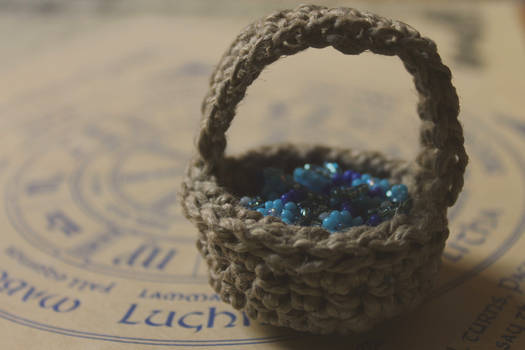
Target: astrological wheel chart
101	199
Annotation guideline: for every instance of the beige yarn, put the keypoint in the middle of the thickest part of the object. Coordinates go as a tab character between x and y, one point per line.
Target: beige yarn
304	277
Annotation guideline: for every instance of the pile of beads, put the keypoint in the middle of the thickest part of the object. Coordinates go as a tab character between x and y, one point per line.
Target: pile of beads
327	196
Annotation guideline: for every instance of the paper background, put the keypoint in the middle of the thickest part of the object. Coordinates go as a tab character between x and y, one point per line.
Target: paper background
99	105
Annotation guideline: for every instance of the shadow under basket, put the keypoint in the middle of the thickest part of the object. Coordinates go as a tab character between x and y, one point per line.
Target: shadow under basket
304	277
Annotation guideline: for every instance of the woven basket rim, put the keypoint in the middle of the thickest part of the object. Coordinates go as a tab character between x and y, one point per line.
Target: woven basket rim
391	235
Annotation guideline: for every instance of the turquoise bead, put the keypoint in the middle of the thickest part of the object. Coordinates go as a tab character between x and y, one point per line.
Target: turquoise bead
298	174
330	223
287	221
312	178
357	221
336	216
273	212
287	214
332	167
384	184
398	193
346	218
291	206
262	211
366	177
372	181
323	215
268	205
278	205
357	182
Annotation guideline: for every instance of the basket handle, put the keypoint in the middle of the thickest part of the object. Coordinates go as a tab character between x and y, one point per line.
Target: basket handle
442	158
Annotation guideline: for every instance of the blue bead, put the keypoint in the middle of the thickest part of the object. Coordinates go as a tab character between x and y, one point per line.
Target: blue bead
245	201
375	191
335	215
366	177
268	205
337	179
357	182
357	221
273	212
298	174
332	167
384	184
278	205
287	221
323	215
403	190
352	208
372	181
287	214
397	193
329	223
346	217
292	196
314	178
373	220
291	206
263	211
348	176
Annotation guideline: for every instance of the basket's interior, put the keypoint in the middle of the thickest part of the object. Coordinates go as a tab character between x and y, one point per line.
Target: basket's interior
242	176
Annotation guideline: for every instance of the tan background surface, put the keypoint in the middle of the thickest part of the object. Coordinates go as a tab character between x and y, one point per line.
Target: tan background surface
99	102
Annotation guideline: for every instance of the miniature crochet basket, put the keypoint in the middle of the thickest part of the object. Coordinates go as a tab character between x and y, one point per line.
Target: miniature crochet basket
305	277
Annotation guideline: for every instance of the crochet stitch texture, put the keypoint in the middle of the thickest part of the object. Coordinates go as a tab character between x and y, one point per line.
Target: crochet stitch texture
304	277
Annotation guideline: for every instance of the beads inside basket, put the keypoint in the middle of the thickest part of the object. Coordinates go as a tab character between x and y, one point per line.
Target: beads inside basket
327	196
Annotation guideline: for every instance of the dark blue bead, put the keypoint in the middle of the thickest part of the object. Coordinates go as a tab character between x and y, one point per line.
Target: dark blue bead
348	176
352	209
290	196
293	196
373	220
285	198
375	191
337	179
